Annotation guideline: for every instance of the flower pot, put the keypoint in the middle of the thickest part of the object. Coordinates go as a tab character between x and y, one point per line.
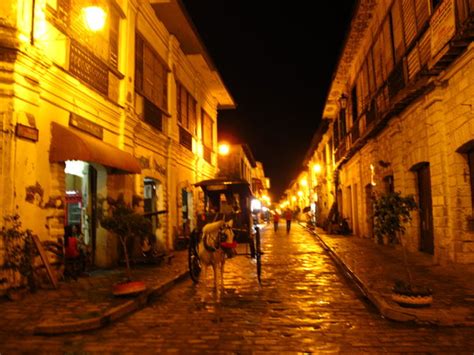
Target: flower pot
128	288
412	300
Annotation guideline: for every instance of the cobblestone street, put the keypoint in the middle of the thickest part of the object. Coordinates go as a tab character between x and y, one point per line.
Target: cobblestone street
303	305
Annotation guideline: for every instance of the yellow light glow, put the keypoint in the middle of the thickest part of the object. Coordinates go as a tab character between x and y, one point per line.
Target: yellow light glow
94	17
304	182
372	175
293	198
300	193
317	168
224	149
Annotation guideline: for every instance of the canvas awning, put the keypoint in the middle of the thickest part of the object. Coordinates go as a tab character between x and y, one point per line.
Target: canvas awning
69	144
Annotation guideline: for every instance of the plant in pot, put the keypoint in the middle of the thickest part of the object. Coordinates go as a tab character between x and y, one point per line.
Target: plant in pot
127	225
392	212
18	258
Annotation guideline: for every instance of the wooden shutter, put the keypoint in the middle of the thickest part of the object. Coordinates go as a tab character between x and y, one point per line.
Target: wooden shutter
192	114
378	61
207	130
397	31
114	38
387	48
179	113
425	48
413	63
422	10
138	63
370	73
184	108
409	21
365	85
148	76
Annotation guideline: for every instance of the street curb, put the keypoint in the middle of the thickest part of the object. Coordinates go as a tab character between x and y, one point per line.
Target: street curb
399	314
110	315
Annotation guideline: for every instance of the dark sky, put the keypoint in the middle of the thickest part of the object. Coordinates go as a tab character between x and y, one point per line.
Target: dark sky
277	60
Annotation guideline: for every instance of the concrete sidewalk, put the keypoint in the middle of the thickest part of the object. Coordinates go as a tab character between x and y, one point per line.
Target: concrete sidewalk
375	268
88	303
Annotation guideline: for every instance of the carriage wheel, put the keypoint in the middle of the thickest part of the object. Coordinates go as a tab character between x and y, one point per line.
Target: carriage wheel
258	254
194	263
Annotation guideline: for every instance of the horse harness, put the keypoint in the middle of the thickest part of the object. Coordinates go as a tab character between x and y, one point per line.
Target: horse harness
213	244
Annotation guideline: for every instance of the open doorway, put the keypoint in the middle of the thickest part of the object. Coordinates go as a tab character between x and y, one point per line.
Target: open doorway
81	202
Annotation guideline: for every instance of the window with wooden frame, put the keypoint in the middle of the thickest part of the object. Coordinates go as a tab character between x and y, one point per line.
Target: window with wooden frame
92	55
151	74
207	135
186	109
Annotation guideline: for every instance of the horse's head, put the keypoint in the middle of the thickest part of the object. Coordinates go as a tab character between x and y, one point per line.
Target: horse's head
226	233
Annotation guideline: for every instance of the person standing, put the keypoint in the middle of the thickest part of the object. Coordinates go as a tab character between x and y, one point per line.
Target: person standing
288	218
276	219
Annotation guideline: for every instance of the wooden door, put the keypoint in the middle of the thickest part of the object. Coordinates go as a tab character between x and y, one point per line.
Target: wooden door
425	209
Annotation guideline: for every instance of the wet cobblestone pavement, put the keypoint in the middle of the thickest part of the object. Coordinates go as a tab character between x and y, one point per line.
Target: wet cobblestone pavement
303	305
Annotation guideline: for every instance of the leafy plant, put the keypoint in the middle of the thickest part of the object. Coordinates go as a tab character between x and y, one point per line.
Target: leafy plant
126	225
392	212
19	250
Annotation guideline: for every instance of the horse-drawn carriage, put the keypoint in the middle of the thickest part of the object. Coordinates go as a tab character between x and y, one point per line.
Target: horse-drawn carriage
225	200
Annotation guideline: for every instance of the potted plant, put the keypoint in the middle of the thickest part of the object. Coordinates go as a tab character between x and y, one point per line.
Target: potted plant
18	256
391	213
127	225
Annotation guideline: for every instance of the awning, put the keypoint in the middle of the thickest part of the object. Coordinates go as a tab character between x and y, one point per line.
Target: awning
68	144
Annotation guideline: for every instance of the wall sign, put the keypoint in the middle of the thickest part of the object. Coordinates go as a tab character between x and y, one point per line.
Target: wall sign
85	125
27	132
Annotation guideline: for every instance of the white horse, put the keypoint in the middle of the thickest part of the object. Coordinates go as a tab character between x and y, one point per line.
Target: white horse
210	250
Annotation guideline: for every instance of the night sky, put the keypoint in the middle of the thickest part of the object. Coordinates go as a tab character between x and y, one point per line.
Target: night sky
277	60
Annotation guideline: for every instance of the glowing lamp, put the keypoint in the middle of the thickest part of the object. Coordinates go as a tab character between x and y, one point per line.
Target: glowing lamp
224	149
304	182
94	17
317	168
255	205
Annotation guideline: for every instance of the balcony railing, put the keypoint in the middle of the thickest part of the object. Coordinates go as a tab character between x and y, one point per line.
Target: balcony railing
410	78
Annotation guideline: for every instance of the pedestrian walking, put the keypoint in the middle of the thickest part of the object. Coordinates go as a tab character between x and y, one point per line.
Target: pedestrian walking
276	219
288	217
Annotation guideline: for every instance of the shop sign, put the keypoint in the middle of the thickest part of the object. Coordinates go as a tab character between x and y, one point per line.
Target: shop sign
27	132
85	125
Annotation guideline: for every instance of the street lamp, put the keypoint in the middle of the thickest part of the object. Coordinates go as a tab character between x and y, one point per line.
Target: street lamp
224	149
343	101
94	17
317	168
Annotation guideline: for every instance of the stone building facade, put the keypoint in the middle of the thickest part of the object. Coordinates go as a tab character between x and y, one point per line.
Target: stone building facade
87	116
401	119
